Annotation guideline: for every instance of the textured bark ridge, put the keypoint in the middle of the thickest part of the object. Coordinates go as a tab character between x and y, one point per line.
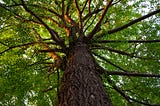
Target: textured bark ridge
81	85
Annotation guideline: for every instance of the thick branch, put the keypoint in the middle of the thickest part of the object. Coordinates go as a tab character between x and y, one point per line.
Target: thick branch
85	5
128	98
91	13
129	74
18	16
116	51
17	46
109	62
89	6
115	2
90	23
133	22
53	33
77	7
63	8
48	89
128	41
39	62
132	74
68	7
122	52
70	20
50	50
54	21
97	27
57	58
48	9
80	19
14	5
3	43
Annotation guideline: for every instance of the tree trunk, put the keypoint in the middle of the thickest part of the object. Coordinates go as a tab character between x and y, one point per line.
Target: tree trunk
81	84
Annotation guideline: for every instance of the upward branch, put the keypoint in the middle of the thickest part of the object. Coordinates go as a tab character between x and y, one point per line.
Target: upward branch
89	6
96	28
80	22
133	22
53	33
91	13
46	9
84	5
56	58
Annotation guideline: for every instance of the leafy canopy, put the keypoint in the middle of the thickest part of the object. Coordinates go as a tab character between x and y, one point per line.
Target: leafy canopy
35	35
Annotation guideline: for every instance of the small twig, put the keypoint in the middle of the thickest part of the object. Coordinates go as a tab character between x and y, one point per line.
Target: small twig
3	44
84	5
14	5
39	62
115	2
48	89
63	7
90	23
58	81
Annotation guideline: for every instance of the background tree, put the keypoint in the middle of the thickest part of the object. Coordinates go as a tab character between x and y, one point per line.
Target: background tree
92	45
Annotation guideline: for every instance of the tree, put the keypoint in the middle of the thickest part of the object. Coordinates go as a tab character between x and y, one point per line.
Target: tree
79	53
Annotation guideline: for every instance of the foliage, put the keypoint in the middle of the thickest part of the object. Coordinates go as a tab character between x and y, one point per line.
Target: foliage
129	56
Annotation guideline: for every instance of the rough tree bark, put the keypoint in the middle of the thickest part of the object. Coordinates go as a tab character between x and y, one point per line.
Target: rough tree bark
81	84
